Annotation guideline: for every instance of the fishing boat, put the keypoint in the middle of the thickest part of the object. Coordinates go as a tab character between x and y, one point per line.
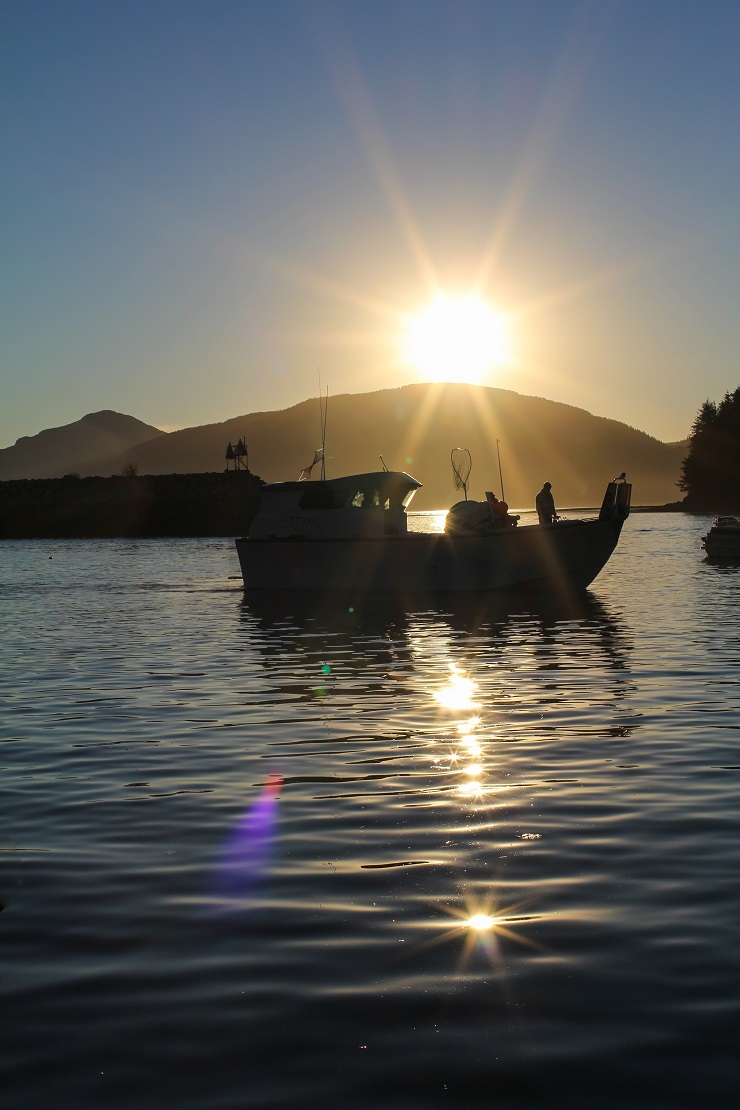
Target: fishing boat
722	541
352	534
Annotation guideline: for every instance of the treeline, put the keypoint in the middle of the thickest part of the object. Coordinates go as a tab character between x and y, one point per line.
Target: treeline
710	474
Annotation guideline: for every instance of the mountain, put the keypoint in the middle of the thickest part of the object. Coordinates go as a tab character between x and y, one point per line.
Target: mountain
414	428
92	445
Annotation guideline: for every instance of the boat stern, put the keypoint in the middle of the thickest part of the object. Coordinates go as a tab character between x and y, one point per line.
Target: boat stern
617	500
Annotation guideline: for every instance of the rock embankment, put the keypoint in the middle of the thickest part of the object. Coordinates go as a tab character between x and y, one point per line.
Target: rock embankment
143	505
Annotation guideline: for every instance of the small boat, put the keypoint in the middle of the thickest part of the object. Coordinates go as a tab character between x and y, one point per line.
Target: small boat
722	541
352	534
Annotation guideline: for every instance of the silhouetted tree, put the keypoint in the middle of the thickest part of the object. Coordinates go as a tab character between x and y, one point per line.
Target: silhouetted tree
710	474
130	470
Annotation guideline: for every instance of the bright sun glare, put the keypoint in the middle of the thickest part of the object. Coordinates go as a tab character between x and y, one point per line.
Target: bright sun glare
481	922
456	339
458	693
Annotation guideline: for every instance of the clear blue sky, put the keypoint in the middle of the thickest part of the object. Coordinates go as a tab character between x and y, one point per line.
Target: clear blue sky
208	204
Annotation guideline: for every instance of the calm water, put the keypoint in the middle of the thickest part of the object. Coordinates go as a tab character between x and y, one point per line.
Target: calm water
241	843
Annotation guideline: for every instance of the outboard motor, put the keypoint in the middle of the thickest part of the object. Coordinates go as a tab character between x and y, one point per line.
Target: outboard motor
617	499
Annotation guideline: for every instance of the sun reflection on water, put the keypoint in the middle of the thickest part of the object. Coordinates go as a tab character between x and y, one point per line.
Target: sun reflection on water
462	751
471	789
479	926
458	695
458	692
481	921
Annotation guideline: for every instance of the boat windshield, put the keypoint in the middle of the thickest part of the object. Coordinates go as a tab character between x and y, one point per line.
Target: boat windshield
364	491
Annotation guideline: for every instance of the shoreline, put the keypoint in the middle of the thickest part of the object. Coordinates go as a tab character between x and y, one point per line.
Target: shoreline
161	505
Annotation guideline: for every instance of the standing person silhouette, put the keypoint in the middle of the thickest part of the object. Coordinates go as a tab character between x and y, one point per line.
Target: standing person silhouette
545	504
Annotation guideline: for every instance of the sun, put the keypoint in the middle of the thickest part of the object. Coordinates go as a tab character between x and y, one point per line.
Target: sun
456	339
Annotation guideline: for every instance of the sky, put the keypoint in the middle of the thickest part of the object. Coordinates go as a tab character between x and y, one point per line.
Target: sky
216	208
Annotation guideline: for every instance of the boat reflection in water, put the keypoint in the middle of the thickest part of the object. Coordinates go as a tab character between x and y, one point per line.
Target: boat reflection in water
451	677
352	534
289	620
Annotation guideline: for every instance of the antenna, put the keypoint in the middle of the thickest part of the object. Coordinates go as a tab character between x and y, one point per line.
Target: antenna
323	436
385	468
323	408
501	477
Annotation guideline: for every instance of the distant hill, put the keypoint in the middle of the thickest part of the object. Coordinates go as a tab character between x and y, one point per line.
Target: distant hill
92	445
414	428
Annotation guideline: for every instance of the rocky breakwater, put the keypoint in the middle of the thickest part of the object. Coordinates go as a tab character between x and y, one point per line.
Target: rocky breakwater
141	505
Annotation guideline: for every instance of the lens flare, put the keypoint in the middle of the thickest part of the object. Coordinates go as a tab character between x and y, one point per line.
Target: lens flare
245	855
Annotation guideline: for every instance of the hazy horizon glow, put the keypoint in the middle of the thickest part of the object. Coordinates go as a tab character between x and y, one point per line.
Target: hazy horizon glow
211	206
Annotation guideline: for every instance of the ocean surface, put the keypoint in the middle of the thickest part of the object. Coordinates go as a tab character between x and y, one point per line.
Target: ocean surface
261	853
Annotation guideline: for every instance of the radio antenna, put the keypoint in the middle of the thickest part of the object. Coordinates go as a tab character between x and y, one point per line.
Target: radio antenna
500	475
323	408
323	437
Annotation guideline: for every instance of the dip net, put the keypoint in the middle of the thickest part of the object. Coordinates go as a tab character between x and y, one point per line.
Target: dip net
462	464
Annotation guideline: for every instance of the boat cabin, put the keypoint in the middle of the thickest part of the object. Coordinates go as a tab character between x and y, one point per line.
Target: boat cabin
360	506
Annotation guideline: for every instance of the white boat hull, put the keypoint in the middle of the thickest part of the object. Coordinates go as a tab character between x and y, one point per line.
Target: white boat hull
567	554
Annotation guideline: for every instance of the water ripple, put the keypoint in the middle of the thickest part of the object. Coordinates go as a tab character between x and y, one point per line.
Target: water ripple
500	861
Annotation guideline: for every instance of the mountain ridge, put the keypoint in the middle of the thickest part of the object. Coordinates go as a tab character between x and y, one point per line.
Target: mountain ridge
414	428
95	441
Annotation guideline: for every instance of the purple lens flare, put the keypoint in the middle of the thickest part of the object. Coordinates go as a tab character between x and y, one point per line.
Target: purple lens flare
244	858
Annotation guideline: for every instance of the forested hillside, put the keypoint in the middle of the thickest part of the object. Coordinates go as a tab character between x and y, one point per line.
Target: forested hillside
710	475
415	427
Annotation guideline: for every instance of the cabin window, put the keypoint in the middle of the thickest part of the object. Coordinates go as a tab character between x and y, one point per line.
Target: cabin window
326	495
370	500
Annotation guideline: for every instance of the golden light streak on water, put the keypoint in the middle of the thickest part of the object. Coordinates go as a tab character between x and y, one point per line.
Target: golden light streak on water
458	693
464	728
